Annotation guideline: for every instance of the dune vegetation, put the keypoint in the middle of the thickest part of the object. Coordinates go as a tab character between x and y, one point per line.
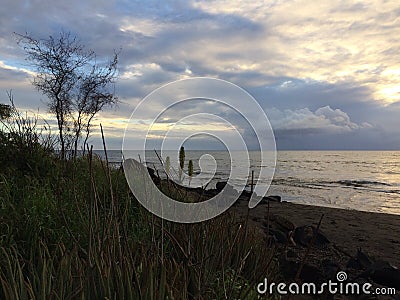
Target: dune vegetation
71	229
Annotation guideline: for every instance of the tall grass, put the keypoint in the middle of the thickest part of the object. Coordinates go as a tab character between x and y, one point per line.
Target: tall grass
73	230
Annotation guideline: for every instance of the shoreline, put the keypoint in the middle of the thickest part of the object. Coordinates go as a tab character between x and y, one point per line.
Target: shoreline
378	234
315	243
349	230
375	233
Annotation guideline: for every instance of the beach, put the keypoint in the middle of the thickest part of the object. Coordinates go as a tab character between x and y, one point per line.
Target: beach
377	234
316	244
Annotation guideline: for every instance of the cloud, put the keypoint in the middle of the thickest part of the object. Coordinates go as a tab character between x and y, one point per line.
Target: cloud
304	121
327	67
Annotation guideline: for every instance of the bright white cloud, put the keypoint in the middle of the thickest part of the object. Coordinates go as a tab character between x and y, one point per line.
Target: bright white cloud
3	65
138	70
323	120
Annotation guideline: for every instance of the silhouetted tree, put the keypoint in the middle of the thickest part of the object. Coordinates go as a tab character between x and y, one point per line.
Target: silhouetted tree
77	86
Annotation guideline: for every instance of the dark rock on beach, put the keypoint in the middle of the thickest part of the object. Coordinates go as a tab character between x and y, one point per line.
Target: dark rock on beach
279	236
220	185
385	274
363	258
361	261
151	172
325	257
354	264
330	268
224	185
246	194
311	273
210	193
271	198
304	235
282	222
341	233
308	273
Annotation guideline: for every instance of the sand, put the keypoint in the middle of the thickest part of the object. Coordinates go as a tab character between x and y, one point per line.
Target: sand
377	234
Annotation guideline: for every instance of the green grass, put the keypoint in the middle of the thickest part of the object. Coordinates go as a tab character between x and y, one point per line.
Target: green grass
73	230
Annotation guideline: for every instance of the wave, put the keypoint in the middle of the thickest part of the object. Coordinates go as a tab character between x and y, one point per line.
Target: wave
360	183
316	184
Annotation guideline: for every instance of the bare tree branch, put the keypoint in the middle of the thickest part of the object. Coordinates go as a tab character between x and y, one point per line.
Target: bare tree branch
77	87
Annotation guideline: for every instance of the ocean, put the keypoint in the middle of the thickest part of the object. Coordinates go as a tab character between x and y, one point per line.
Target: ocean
360	180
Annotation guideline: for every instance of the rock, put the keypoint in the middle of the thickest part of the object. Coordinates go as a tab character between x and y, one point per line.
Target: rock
229	190
246	194
220	185
271	198
363	258
153	175
288	268
385	274
151	172
284	223
199	190
321	239
309	272
280	224
211	192
361	261
280	236
354	264
275	198
330	268
303	235
156	180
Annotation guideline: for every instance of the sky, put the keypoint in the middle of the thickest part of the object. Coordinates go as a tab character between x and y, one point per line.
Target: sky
326	73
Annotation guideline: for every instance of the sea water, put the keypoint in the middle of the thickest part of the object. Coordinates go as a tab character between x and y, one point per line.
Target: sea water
360	180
